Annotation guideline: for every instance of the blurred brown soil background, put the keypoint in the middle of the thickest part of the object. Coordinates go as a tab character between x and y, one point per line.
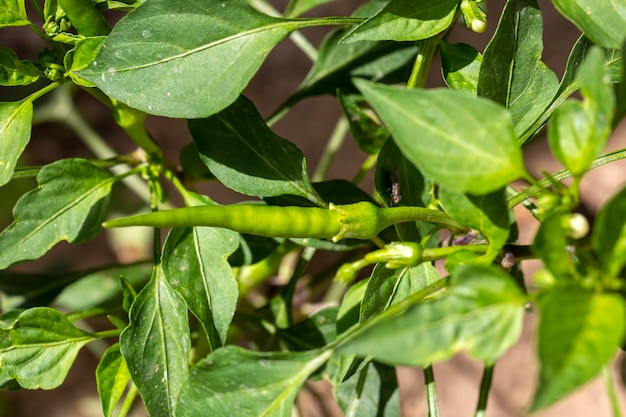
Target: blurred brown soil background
309	125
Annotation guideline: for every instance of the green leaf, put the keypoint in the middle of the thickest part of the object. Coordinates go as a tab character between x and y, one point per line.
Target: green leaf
406	20
246	156
15	127
372	391
466	143
112	377
195	265
578	132
387	287
13	13
69	204
185	59
223	382
296	8
488	214
365	127
156	345
512	73
313	332
39	348
460	64
578	334
81	56
481	313
551	246
609	235
15	72
604	22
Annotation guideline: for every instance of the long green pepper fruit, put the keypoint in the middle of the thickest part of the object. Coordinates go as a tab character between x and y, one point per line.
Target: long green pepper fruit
361	220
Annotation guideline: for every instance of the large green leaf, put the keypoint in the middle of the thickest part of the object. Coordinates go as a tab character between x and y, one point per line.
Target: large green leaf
15	127
372	391
252	384
578	131
69	204
481	312
14	72
460	65
609	235
406	20
512	73
39	347
465	143
245	155
156	345
13	13
112	377
602	21
185	58
195	265
578	334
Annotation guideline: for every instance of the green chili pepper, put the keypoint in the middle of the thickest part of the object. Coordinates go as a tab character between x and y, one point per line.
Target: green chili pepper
84	16
361	220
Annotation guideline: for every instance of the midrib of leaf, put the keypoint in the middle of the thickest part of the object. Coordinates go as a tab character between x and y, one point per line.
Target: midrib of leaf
268	163
288	25
46	345
304	372
13	116
509	86
452	139
75	202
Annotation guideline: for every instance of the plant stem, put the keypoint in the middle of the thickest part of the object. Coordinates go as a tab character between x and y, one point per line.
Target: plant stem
610	389
131	395
425	51
433	254
332	147
431	392
485	386
367	165
537	187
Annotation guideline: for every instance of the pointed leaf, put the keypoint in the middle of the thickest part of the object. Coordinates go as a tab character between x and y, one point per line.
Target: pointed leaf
387	287
578	334
406	20
195	265
604	22
185	59
609	235
69	204
222	383
15	72
245	155
39	348
372	391
15	127
465	143
13	13
460	64
156	345
81	56
481	312
112	377
512	73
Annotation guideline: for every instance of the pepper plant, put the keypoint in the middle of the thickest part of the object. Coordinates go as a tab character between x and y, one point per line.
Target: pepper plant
193	330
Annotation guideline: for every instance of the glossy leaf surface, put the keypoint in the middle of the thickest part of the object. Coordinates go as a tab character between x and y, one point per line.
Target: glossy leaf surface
15	128
406	20
512	72
578	334
460	64
69	204
13	13
112	377
195	265
39	347
186	59
246	156
481	313
223	382
465	143
15	72
156	345
602	21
